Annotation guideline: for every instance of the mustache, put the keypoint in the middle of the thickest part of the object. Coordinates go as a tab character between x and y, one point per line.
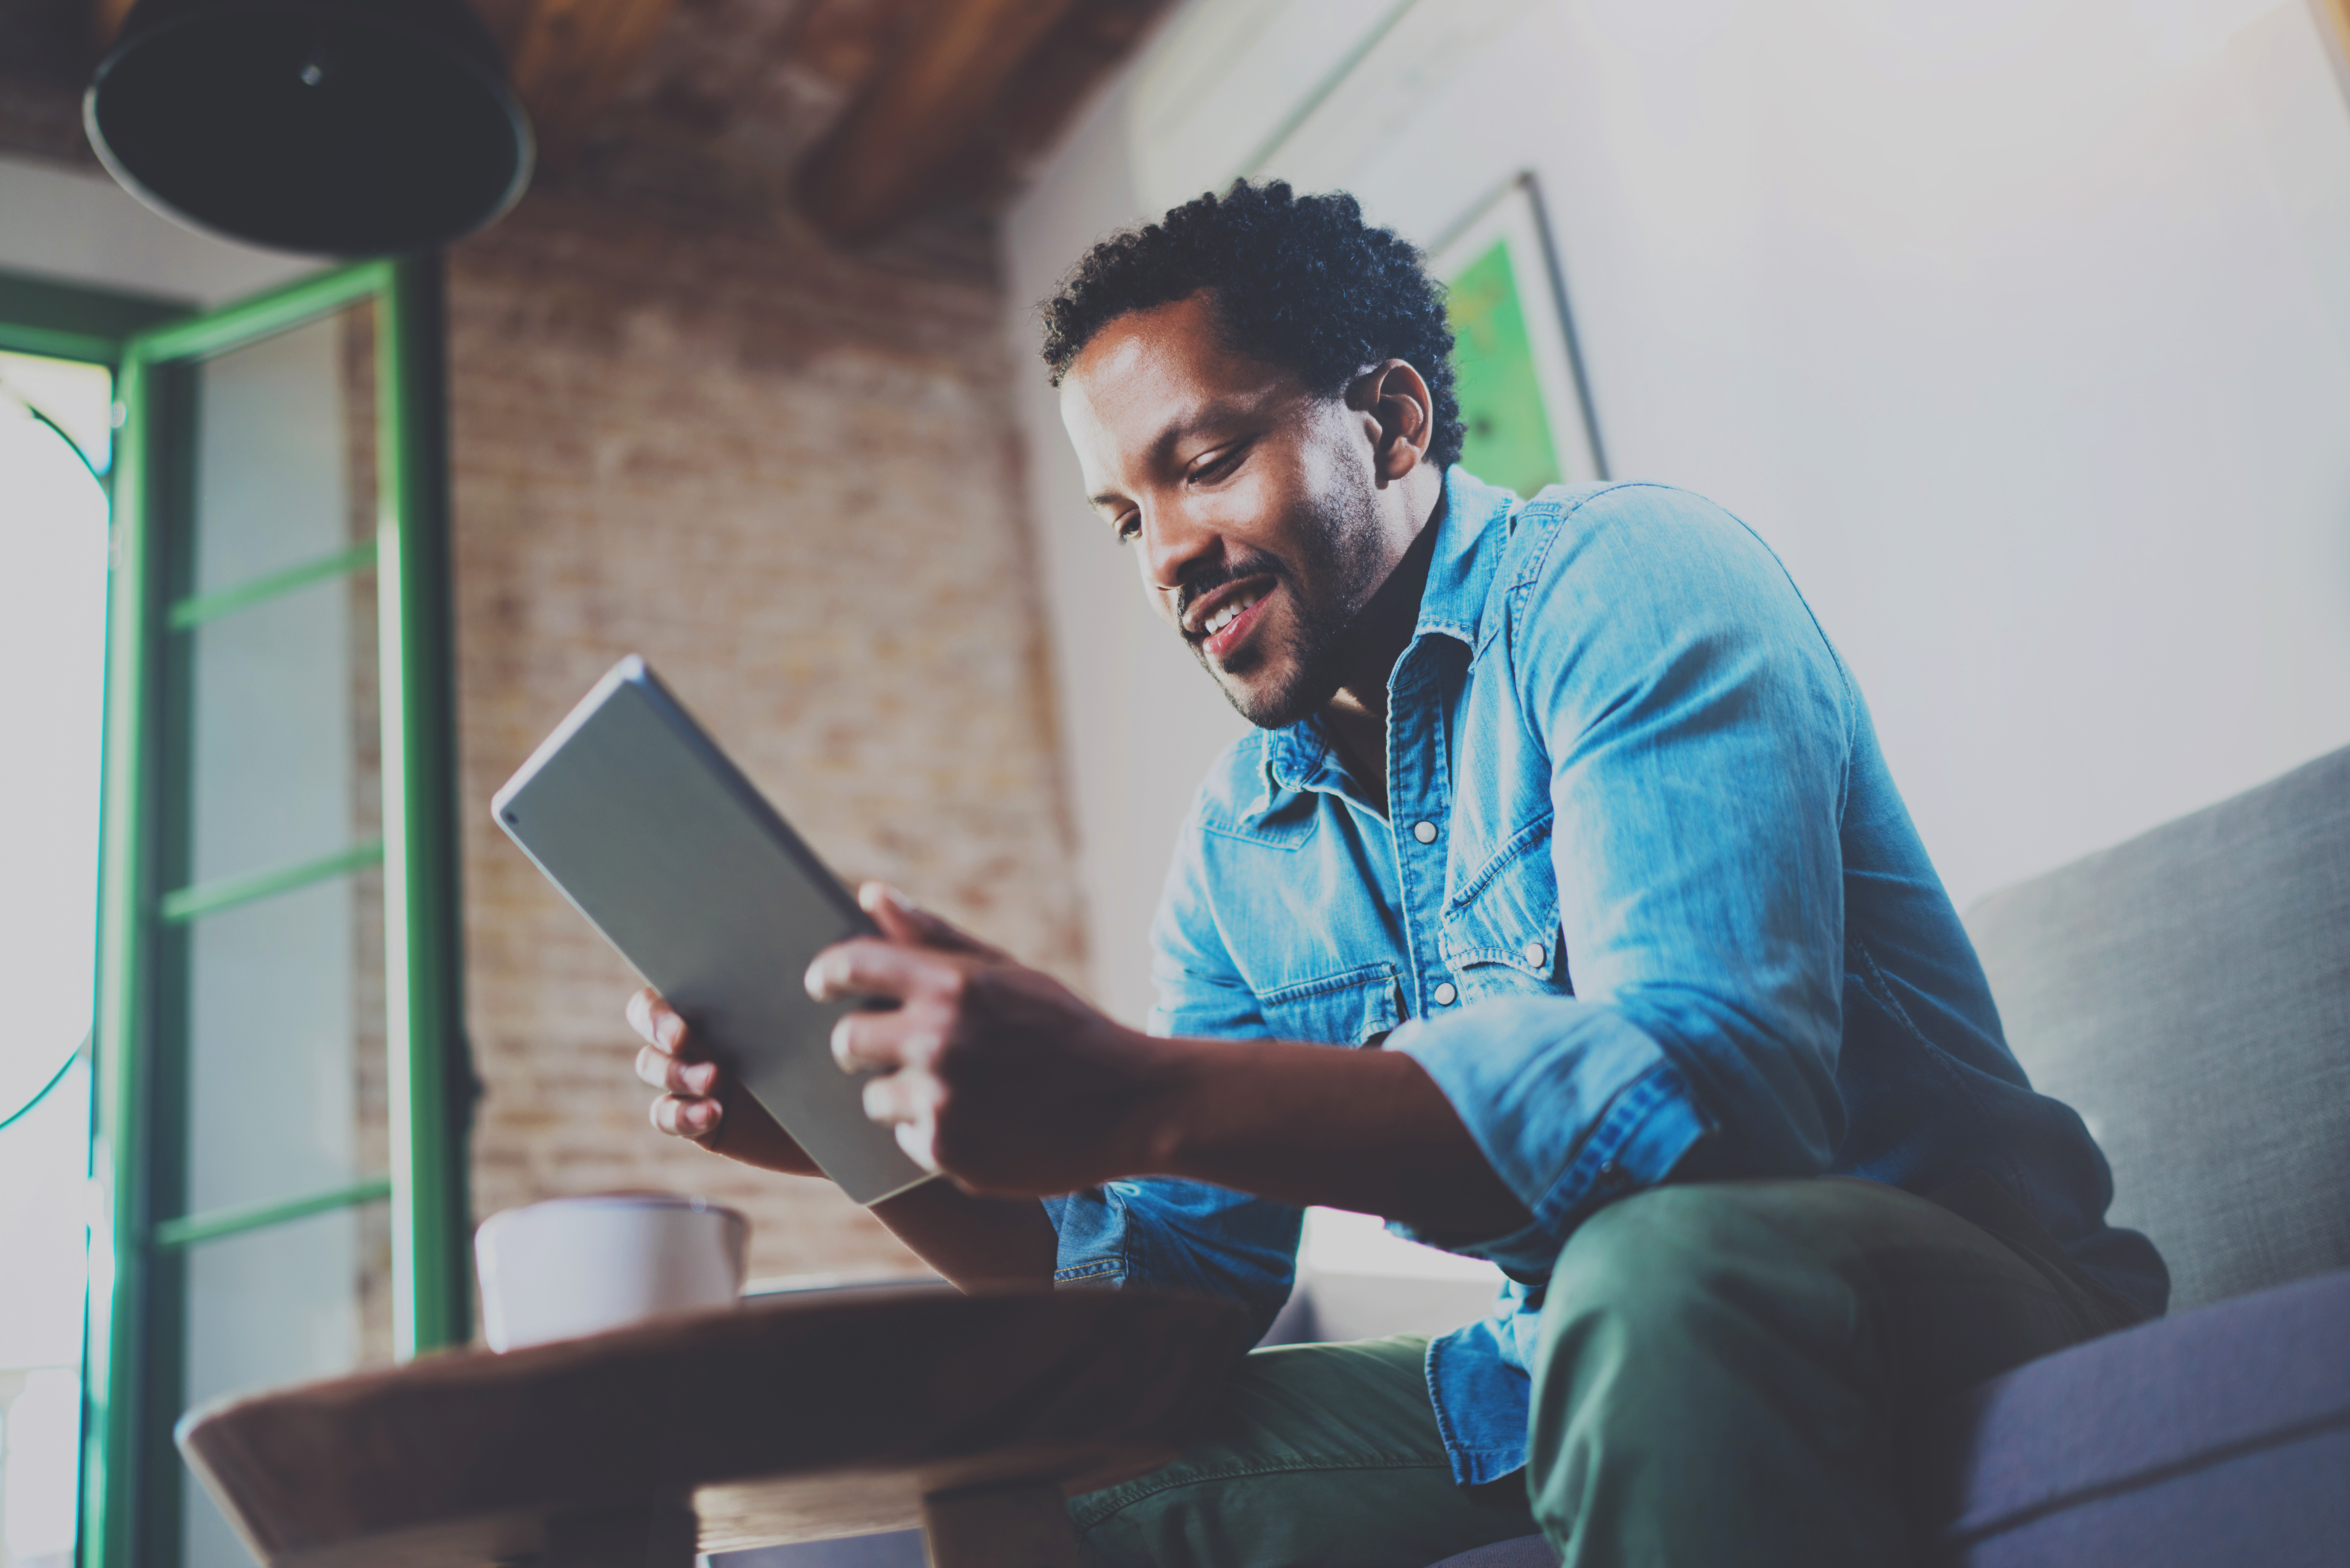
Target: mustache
1193	589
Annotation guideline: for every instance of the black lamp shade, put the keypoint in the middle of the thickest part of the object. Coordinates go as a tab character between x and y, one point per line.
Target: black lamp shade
345	127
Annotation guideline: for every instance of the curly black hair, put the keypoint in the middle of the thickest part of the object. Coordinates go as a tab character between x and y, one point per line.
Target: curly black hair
1300	281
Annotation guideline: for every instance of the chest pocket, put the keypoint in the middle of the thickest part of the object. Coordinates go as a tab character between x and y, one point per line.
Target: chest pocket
1499	932
1344	1008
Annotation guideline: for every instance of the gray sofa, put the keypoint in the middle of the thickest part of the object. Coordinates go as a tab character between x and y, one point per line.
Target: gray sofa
2188	992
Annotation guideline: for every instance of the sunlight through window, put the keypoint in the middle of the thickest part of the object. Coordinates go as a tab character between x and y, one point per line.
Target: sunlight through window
55	438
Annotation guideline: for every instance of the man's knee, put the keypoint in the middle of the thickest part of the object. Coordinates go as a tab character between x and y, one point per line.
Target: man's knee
1674	1296
1669	1260
1674	1319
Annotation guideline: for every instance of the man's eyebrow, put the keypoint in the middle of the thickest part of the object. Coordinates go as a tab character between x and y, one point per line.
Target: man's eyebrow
1182	423
1173	431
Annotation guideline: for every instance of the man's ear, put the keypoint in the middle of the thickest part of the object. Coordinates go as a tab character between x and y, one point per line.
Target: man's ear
1400	414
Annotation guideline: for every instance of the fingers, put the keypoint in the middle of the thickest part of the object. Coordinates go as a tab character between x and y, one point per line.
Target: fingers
917	953
902	1098
690	1108
694	1119
695	1102
907	1103
872	967
657	1023
663	1071
920	1141
885	1041
901	921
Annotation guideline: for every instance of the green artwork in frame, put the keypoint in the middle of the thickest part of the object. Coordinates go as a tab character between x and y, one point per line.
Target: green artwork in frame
1520	387
1509	439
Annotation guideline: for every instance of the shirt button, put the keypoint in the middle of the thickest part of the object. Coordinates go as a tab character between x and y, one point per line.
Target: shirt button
1533	952
1424	831
1444	993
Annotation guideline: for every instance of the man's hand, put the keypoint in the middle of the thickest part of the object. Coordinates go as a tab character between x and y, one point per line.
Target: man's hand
995	1073
701	1102
971	1240
1009	1083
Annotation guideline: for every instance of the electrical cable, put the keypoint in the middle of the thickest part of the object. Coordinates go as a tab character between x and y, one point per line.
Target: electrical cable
73	446
58	430
21	1111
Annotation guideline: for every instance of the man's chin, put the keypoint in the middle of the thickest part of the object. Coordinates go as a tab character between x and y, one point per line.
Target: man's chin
1271	702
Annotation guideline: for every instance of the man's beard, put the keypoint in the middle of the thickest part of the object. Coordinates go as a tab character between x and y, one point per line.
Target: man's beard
1339	550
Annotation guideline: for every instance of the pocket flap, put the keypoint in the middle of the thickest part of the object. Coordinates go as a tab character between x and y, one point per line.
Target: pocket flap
1343	1009
1508	912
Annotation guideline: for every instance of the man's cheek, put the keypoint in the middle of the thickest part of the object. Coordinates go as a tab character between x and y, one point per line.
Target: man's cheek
1162	605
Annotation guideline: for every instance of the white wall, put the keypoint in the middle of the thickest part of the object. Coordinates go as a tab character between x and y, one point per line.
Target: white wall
2021	328
73	227
1140	721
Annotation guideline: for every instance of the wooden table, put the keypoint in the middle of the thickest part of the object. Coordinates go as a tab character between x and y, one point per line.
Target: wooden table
781	1420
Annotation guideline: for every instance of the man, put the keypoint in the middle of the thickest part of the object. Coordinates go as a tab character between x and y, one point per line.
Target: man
1568	819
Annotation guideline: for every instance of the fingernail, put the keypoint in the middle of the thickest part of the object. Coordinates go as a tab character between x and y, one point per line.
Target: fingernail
703	1076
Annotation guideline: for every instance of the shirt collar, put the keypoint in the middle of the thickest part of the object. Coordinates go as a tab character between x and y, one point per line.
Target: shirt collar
1470	537
1472	528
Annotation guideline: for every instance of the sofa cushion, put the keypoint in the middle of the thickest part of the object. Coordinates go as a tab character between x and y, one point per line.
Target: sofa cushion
2221	1435
1526	1552
2188	993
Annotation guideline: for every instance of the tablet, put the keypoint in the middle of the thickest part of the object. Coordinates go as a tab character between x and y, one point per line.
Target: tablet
634	812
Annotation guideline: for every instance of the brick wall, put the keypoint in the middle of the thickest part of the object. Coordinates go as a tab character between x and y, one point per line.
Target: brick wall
683	427
788	477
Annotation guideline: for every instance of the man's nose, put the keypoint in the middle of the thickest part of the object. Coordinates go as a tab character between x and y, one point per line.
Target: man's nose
1174	548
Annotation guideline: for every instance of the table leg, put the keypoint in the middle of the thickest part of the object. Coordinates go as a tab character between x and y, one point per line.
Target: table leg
1000	1527
636	1535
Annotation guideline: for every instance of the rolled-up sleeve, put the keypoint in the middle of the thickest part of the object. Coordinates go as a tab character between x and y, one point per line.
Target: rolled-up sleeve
1697	728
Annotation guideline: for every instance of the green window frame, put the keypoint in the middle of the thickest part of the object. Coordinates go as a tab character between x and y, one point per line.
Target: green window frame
130	1471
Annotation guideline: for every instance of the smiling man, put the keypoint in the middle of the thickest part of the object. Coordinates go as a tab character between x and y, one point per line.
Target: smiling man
1560	909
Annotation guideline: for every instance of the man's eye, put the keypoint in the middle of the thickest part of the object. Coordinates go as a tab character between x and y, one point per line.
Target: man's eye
1219	465
1129	528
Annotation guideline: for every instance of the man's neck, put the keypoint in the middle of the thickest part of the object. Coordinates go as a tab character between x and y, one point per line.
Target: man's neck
1357	714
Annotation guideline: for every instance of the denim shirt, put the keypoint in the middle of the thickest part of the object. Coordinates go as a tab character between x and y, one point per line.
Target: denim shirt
1645	894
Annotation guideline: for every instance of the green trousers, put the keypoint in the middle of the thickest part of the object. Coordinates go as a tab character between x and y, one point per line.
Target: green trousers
1722	1377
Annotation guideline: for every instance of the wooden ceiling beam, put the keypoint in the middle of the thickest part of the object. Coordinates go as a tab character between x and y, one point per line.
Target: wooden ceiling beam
2338	12
920	111
569	60
106	18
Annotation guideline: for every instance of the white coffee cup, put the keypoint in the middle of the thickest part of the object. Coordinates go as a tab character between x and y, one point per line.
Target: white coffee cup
574	1266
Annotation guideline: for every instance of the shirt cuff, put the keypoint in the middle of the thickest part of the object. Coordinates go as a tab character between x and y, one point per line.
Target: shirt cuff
1572	1106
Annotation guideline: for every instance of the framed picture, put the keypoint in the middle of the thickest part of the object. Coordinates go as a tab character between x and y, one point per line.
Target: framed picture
1518	377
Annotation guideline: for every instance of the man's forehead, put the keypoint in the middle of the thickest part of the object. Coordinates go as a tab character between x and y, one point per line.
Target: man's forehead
1152	376
1153	360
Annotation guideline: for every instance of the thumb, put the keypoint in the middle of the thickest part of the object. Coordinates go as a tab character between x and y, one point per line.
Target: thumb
902	921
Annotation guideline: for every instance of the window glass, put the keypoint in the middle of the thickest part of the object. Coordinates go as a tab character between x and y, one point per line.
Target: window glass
53	545
53	521
283	737
283	470
285	1045
271	1307
43	1255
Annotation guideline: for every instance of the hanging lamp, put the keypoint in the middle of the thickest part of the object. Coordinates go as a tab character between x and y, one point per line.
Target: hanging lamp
342	127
